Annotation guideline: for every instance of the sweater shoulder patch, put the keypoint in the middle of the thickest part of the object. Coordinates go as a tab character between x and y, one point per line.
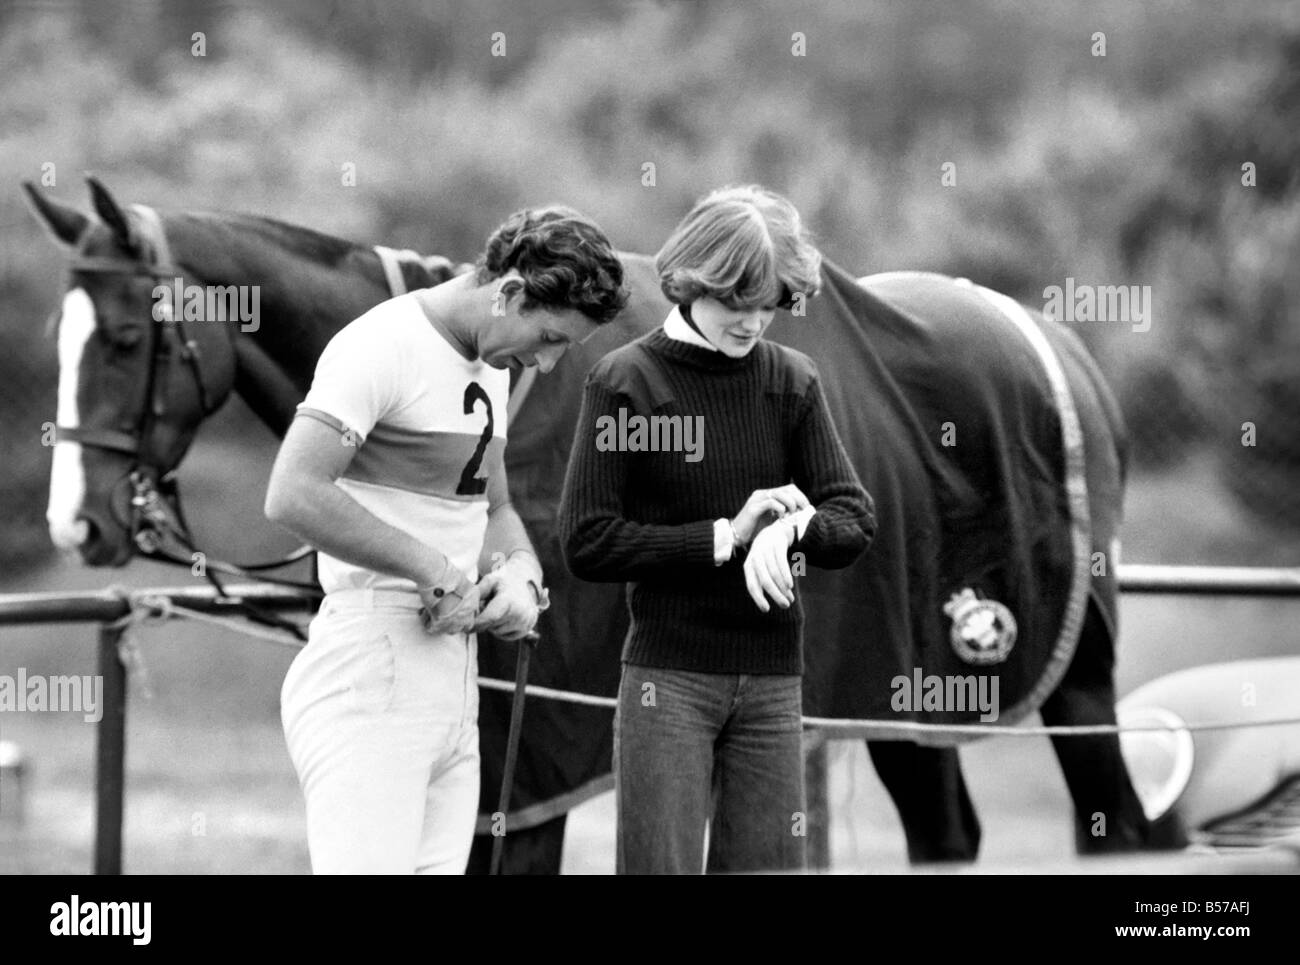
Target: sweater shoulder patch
632	371
791	370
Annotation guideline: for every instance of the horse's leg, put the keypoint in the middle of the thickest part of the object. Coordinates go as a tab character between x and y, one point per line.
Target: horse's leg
1108	815
528	851
930	794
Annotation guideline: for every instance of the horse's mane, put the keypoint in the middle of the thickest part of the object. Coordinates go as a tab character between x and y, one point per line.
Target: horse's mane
311	245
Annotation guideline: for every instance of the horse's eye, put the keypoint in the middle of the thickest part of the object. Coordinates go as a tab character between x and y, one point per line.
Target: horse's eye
126	338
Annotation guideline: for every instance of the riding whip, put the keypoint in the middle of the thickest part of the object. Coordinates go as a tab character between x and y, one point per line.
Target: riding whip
526	645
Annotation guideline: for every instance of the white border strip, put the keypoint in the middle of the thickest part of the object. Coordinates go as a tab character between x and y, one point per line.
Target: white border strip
391	261
1076	487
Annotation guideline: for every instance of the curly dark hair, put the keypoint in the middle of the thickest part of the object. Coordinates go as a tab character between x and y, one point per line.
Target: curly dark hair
564	259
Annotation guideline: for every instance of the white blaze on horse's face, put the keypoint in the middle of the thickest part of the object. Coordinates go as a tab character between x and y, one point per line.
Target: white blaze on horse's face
68	476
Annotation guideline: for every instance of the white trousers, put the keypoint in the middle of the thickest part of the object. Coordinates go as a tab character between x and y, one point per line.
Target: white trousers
381	720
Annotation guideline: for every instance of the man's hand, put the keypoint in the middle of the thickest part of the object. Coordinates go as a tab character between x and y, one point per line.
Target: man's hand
763	506
451	602
512	605
767	567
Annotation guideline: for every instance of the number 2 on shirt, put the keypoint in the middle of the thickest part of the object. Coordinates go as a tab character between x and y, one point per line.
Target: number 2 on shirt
470	483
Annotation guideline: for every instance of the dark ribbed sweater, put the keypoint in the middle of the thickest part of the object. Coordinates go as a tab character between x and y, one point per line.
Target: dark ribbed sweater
647	517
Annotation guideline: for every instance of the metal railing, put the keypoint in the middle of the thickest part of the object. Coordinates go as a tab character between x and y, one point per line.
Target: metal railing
110	608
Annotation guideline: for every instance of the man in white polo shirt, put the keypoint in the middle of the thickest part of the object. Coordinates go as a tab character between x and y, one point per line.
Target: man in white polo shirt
394	470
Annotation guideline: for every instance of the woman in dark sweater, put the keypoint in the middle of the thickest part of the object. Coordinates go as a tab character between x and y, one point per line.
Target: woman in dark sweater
705	460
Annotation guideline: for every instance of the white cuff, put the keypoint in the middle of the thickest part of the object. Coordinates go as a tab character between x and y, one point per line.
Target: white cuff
724	541
801	520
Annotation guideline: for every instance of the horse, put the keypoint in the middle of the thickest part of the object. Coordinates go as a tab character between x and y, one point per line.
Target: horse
986	546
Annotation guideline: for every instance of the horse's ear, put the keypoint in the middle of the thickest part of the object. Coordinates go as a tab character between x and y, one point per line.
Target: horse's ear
110	213
65	224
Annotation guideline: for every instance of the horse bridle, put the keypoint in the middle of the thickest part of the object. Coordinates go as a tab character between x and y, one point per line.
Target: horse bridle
155	505
149	514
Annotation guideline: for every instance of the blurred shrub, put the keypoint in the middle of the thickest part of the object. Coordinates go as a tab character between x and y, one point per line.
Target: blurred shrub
1117	170
1262	470
1164	412
27	399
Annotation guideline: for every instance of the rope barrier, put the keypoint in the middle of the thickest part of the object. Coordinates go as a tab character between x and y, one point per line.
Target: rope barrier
550	693
234	624
843	728
149	608
128	649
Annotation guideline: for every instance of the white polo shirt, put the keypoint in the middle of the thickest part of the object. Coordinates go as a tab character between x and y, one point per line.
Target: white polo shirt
427	425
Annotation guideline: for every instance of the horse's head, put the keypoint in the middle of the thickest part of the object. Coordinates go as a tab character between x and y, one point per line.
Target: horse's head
135	377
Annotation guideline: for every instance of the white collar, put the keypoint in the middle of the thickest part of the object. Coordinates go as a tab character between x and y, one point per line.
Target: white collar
676	327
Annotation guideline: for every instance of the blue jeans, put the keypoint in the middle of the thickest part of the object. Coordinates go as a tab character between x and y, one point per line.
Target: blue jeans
693	746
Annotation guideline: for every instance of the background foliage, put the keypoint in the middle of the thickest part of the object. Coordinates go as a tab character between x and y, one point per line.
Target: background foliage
1122	169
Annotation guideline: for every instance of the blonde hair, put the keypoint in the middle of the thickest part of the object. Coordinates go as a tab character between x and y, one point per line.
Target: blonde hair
744	245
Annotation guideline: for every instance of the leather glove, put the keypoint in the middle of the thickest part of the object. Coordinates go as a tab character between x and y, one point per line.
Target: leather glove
513	598
451	603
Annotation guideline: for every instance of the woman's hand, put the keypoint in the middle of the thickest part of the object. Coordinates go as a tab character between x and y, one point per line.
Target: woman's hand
763	506
767	567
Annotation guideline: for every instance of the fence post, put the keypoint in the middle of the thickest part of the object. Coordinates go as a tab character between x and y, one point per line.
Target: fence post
817	800
110	755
